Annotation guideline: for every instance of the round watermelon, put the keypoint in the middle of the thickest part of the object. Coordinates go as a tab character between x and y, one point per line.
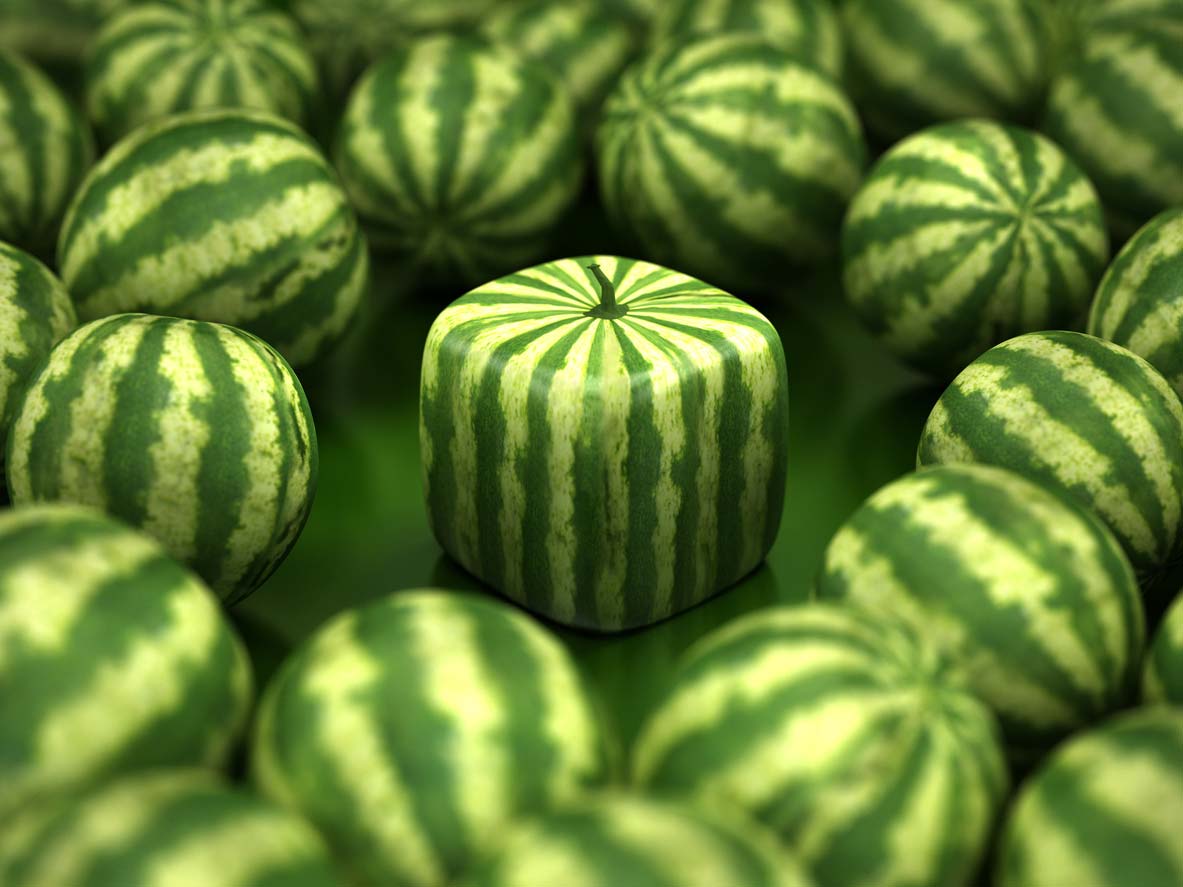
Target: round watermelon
164	56
728	158
197	433
460	157
967	234
169	827
606	467
845	733
1114	109
412	731
912	63
35	313
112	658
1031	594
623	839
1082	416
231	216
1162	679
45	150
1139	304
1103	811
809	28
585	43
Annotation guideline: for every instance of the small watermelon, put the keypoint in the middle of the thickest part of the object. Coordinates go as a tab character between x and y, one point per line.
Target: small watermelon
163	56
112	658
413	731
197	433
1082	416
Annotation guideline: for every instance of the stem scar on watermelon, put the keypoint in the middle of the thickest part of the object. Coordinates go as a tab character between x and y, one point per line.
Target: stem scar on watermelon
607	309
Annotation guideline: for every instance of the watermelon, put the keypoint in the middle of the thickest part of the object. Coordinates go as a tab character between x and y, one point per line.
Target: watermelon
181	827
1082	416
45	150
846	733
112	658
460	157
809	28
604	440
1162	679
1115	110
164	56
727	157
1139	304
1104	811
586	43
54	33
35	313
197	433
912	63
1030	593
414	730
626	839
231	216
967	234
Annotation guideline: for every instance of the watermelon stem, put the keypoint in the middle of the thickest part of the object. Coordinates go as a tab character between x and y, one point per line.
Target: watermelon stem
607	309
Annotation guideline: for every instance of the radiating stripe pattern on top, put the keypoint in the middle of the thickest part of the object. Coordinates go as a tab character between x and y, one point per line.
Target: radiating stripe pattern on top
967	234
177	827
604	472
1115	110
841	731
586	43
1082	416
1139	304
45	150
1031	594
1104	810
623	839
729	158
1162	680
809	28
460	156
35	313
232	216
165	56
112	658
414	731
911	63
197	433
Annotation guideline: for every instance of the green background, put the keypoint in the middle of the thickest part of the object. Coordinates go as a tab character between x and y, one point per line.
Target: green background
855	417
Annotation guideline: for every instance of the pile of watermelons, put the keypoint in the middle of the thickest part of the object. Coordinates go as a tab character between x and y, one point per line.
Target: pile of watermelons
517	291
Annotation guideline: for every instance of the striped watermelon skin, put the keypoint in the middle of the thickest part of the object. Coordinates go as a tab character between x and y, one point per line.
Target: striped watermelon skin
460	156
35	314
1030	593
231	216
1104	810
842	731
1114	110
414	730
1139	304
46	152
726	157
605	473
912	63
967	234
809	28
622	839
1085	418
197	433
586	43
1162	679
167	56
173	826
112	658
